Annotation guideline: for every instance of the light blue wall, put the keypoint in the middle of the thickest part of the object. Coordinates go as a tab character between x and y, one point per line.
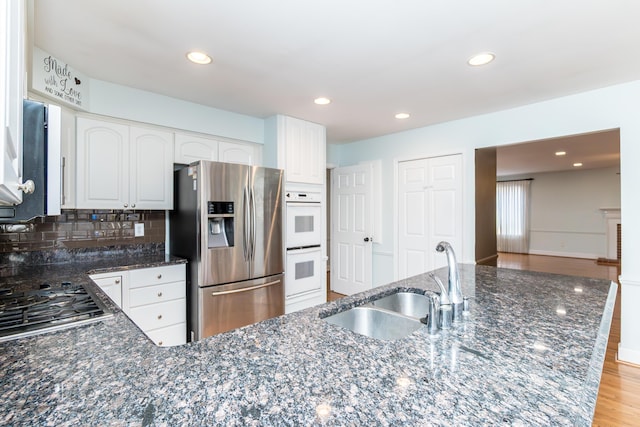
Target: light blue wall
608	108
123	102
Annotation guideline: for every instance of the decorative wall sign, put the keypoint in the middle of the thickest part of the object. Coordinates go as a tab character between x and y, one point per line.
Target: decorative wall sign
58	80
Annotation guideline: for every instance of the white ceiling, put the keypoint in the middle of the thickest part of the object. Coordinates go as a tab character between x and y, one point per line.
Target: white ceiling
373	58
594	150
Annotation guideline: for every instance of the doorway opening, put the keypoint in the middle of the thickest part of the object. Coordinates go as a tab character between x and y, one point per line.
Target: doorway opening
576	182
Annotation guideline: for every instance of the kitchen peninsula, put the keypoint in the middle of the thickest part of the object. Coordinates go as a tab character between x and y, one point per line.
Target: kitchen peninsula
530	353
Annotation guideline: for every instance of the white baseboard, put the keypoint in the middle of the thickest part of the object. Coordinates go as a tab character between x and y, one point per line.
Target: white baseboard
628	355
564	254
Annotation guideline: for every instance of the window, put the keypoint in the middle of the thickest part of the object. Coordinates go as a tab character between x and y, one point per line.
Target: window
512	216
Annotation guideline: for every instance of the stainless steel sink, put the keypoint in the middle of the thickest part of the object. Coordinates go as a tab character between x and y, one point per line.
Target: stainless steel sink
407	303
375	323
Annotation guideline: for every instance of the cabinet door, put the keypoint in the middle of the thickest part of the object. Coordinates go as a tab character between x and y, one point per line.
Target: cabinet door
11	96
110	285
169	336
102	165
304	145
68	161
151	169
189	148
237	152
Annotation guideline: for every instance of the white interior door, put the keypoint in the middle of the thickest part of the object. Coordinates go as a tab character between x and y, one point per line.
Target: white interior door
429	211
351	229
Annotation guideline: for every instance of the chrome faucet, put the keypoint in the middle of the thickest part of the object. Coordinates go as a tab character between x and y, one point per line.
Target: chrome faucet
454	293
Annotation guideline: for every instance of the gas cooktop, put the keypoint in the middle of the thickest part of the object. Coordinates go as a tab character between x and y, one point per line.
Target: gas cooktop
47	309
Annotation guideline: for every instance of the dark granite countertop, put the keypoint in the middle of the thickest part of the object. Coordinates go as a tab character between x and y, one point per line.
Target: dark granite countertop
530	353
24	272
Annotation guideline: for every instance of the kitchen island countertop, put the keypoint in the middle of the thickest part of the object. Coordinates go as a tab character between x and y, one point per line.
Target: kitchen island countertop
530	353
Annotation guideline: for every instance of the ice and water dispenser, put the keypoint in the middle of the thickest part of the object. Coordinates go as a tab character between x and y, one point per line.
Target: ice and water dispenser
220	224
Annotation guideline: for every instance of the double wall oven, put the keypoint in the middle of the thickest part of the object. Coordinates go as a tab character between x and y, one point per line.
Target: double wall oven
303	239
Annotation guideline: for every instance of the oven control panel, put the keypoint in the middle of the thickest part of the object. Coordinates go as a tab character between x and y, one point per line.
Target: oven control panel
299	196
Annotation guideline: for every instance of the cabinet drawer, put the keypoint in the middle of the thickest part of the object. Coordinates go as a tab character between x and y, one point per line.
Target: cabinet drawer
154	316
156	294
156	275
171	335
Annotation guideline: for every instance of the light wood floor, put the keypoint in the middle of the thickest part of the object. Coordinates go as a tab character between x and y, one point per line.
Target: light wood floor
618	401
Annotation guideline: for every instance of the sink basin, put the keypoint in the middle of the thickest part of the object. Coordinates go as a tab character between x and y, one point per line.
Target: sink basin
407	303
375	323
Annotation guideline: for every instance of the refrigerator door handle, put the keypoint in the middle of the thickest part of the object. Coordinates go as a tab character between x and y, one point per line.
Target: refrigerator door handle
252	201
235	291
247	224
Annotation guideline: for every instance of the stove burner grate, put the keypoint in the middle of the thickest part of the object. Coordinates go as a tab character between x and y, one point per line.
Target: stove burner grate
45	309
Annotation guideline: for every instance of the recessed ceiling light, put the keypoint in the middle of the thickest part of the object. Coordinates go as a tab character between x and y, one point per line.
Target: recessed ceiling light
322	101
561	153
481	59
577	165
403	116
199	57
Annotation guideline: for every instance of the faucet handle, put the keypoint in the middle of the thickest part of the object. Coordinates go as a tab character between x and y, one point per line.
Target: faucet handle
444	294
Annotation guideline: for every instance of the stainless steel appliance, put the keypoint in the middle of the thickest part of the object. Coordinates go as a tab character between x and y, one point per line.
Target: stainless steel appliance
26	313
305	266
227	221
41	163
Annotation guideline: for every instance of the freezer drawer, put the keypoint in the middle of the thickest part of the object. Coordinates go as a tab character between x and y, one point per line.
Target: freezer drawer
226	307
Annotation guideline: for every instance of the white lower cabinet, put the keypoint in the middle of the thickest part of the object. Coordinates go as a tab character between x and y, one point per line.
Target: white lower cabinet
153	298
157	303
111	284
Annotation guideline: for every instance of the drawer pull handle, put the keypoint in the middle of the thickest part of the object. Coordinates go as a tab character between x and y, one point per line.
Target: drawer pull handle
159	294
159	316
159	276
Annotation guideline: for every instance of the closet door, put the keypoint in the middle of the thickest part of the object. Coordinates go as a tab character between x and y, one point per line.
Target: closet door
429	211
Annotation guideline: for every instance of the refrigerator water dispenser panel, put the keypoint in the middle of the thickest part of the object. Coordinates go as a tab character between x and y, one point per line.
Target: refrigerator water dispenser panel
220	224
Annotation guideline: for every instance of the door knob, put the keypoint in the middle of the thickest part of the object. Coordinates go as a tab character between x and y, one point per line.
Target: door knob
366	239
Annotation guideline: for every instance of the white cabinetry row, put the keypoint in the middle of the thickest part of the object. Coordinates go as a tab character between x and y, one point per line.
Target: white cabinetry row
12	66
153	298
120	165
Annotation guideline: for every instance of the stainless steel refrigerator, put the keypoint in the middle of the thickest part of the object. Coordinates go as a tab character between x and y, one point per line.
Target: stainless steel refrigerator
227	221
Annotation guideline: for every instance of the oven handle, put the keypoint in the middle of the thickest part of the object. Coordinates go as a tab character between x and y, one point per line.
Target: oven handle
303	204
251	288
303	249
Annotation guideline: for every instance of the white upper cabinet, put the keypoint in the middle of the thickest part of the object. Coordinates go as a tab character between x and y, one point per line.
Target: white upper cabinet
192	148
123	167
236	152
68	160
12	66
301	150
151	169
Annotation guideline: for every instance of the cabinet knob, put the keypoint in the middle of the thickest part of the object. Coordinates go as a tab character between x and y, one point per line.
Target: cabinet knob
159	294
133	205
117	281
28	187
159	316
126	205
159	276
159	342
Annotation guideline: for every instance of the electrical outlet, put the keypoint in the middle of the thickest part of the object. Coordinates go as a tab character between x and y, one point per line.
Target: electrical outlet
138	229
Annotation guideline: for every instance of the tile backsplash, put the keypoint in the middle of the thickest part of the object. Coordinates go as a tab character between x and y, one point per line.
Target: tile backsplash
75	229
